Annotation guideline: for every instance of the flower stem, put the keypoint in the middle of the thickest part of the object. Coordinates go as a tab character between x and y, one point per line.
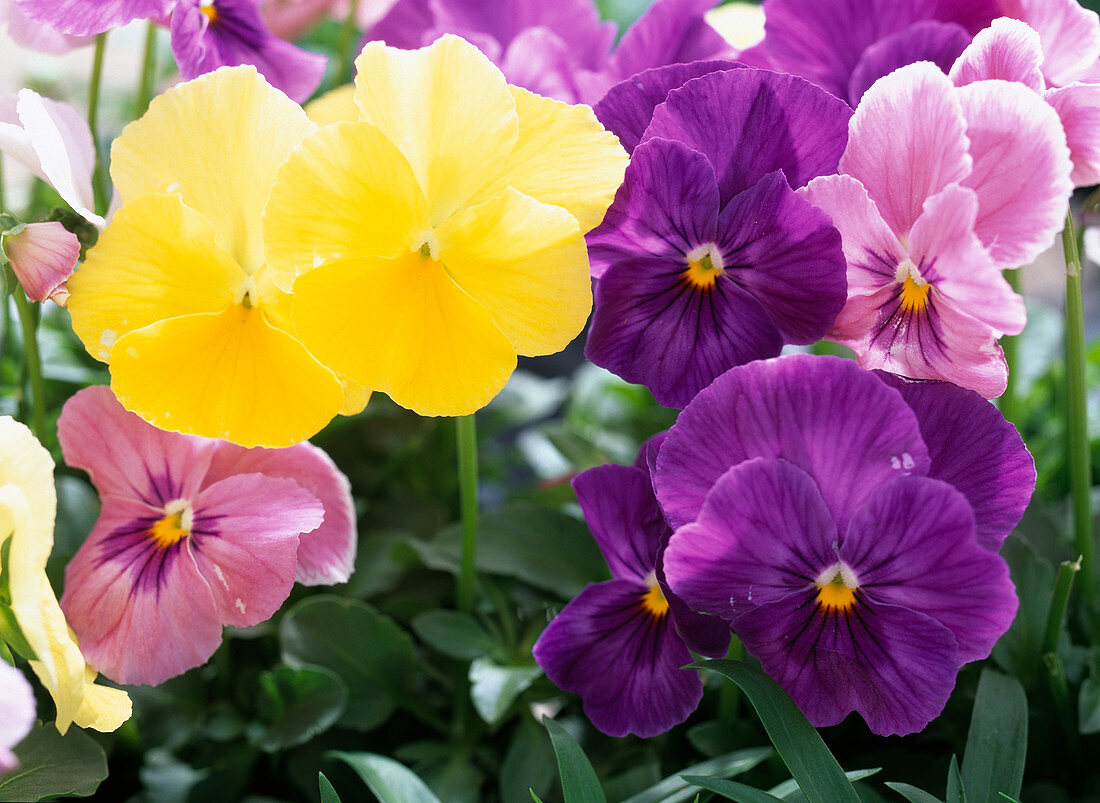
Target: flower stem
1077	447
1009	403
93	120
148	71
347	39
1055	671
466	433
28	319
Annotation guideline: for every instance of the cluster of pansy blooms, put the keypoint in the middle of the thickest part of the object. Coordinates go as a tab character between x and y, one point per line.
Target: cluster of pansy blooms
267	267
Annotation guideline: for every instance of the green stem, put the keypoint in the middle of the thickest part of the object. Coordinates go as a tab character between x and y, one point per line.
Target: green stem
1055	671
1009	403
1077	447
148	71
347	40
729	694
1059	601
466	433
93	120
28	319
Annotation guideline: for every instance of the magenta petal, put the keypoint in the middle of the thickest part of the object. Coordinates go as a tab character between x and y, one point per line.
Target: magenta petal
245	542
1078	107
90	17
404	25
43	256
931	562
623	662
127	457
976	450
1008	50
669	32
938	42
823	414
142	613
326	555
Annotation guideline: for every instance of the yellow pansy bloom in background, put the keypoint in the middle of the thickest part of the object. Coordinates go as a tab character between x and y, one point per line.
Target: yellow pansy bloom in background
441	233
176	296
28	504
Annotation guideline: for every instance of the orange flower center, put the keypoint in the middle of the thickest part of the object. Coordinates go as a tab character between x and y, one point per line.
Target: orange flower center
210	12
174	525
836	589
654	602
704	266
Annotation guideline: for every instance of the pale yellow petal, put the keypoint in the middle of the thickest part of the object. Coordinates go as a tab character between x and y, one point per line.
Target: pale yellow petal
355	398
347	191
26	465
564	156
217	141
225	375
158	259
403	327
526	263
335	106
448	109
104	709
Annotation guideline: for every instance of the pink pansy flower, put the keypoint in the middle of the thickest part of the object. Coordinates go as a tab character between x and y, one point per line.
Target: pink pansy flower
194	534
52	140
43	256
940	188
36	35
16	713
1065	47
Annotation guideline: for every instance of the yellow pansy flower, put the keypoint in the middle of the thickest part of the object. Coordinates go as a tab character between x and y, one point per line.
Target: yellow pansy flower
28	504
176	295
441	233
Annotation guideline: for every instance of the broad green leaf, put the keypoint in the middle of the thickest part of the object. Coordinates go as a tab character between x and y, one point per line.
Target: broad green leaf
494	688
328	793
368	651
455	634
732	790
996	747
675	788
799	745
788	790
528	764
391	781
912	793
455	780
1018	652
296	704
52	765
1088	699
956	788
579	783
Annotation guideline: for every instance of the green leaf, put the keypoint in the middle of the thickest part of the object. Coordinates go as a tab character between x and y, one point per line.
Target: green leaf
675	788
912	793
494	688
535	797
996	747
800	746
956	789
579	783
391	781
296	704
455	634
328	793
1088	699
528	764
52	765
732	790
368	651
788	790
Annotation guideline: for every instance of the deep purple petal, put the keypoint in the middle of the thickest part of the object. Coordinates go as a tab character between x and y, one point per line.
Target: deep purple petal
823	414
647	454
938	42
623	662
788	255
976	450
90	17
621	510
404	25
913	545
669	32
703	633
751	122
652	326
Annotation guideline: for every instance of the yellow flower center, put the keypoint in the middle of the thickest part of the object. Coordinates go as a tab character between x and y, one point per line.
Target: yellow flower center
704	266
654	602
211	13
836	589
174	525
914	289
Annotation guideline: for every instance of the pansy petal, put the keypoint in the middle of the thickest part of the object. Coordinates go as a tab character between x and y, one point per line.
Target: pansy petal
17	710
1008	50
404	327
669	32
43	256
104	708
764	533
823	414
1021	169
703	633
346	191
199	140
938	42
622	513
124	456
28	468
227	375
326	555
82	18
335	106
158	259
526	264
976	450
143	613
245	542
623	662
1078	107
931	563
907	142
1070	35
420	100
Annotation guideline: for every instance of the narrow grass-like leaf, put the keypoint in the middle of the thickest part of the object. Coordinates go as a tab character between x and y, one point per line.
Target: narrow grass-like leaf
579	783
328	793
956	788
800	746
391	781
912	793
732	790
996	747
789	790
676	788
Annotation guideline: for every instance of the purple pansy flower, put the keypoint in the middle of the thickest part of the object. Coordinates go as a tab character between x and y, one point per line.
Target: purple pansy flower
194	534
846	525
620	644
708	258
